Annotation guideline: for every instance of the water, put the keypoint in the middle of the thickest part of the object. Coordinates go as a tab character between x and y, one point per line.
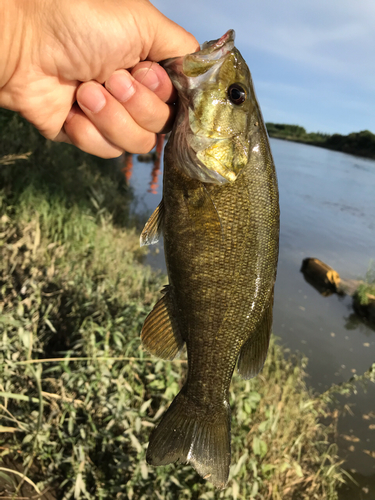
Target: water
327	202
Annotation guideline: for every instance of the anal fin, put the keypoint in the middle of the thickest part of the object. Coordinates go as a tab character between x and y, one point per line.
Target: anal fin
160	333
254	351
152	230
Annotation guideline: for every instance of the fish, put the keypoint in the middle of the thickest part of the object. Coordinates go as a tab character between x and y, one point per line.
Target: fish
219	217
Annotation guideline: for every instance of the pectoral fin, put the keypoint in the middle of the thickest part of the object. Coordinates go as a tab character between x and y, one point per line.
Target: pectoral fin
204	218
152	230
160	334
254	351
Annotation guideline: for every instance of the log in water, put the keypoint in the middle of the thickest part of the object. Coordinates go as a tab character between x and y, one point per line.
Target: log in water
327	281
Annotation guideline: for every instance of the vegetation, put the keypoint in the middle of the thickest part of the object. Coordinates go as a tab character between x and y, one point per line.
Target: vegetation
356	143
364	296
366	290
78	395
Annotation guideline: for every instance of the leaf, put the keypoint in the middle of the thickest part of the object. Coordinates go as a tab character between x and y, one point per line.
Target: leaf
256	445
175	481
145	405
241	461
144	470
8	429
50	325
235	490
78	486
145	423
284	466
267	468
254	489
135	443
159	413
26	337
263	425
298	469
8	479
259	447
28	438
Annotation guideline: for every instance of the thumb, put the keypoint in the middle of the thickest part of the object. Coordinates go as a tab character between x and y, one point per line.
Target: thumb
171	40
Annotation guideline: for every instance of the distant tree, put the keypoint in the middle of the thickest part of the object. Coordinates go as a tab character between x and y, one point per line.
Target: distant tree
357	143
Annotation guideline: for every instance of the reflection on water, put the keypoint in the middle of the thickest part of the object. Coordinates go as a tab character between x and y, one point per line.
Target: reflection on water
127	168
327	202
156	168
355	322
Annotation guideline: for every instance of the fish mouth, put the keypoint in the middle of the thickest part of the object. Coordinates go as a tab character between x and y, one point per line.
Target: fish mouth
188	72
217	48
183	69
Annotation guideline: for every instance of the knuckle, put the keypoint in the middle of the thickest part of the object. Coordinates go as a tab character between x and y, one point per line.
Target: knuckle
146	145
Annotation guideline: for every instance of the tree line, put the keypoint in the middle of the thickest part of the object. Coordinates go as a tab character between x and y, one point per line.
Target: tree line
357	143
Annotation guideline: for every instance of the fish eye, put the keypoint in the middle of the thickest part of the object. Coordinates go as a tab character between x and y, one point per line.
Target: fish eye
236	93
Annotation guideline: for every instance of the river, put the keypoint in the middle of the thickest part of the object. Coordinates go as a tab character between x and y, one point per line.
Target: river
327	203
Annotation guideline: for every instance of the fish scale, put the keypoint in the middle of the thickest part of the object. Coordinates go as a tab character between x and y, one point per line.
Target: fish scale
220	220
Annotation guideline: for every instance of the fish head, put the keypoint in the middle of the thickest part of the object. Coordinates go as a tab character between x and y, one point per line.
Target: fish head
218	111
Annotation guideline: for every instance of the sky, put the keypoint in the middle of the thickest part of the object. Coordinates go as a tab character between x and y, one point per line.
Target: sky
312	61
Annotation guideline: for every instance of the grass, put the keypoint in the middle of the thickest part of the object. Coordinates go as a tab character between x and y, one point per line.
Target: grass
78	395
364	297
366	290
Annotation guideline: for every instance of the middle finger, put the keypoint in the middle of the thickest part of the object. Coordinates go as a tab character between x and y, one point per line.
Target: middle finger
142	103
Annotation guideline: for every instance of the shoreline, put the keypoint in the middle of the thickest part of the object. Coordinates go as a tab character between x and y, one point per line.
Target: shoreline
360	144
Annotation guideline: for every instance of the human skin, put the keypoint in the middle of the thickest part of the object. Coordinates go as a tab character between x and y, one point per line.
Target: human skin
85	71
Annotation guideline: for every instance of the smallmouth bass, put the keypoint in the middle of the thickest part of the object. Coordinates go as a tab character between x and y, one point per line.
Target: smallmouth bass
220	220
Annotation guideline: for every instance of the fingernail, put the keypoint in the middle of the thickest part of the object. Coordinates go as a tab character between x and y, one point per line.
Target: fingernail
92	98
120	85
147	77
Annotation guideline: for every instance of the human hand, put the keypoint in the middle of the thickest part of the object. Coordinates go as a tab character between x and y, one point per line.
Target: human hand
55	46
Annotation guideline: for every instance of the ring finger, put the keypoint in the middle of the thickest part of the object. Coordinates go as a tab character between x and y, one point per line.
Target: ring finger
129	125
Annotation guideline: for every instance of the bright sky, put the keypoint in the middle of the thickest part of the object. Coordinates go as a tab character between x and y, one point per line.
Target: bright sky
312	61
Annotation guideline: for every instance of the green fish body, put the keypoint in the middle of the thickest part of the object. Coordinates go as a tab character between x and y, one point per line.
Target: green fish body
220	220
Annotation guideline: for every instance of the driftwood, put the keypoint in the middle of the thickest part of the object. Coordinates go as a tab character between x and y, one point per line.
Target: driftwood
327	281
322	277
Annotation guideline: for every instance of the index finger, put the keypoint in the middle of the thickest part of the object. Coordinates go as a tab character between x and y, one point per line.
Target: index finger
154	77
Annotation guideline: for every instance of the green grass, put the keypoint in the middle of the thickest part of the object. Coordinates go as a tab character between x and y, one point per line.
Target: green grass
366	290
78	395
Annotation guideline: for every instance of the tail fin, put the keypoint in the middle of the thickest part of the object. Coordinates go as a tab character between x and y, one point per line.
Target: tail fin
198	438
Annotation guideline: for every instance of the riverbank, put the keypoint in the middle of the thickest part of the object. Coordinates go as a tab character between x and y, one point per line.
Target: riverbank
357	143
79	396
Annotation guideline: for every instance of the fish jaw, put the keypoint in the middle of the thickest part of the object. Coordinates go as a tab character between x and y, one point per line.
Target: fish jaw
198	63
